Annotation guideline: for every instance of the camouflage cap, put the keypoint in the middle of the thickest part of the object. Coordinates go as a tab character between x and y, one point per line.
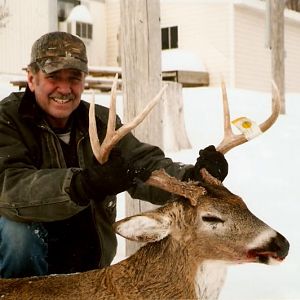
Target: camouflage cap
59	50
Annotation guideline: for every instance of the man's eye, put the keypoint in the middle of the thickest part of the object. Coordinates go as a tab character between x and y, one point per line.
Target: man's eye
76	79
51	77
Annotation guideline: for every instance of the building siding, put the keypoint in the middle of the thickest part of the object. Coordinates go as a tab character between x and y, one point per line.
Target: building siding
113	27
252	59
292	51
26	22
96	48
208	37
228	37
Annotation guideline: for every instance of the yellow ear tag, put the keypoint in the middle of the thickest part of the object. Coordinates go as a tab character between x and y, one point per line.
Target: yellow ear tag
247	127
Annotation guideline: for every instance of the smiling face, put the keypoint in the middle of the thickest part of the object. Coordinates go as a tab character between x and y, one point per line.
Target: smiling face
58	94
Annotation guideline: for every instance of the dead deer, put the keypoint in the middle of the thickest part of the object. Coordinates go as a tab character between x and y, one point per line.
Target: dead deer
188	243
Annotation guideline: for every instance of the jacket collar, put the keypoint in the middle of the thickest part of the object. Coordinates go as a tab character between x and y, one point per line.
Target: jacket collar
28	108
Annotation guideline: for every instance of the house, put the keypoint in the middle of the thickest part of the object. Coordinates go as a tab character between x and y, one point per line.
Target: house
207	39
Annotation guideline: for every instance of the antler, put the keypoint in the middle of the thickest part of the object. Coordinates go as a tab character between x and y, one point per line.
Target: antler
232	140
189	190
113	136
159	178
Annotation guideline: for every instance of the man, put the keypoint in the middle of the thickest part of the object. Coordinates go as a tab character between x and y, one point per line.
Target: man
57	202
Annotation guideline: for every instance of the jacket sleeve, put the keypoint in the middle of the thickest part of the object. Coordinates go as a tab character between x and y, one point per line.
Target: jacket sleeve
27	192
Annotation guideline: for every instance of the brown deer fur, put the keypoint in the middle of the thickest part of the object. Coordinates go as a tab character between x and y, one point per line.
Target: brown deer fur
181	240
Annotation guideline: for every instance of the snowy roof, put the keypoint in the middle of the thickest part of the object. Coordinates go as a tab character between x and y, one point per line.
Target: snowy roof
181	60
80	13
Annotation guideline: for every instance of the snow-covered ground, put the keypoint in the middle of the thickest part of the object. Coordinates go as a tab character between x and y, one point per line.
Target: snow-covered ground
265	172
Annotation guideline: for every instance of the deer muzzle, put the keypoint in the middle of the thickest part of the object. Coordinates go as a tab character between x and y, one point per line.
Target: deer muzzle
273	251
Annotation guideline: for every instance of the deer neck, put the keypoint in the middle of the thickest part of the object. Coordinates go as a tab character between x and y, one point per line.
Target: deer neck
180	275
210	279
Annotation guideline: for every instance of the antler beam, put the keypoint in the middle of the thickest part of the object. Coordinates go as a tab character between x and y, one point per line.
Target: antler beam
232	140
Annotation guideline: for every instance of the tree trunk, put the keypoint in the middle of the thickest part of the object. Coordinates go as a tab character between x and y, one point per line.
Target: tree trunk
174	132
277	48
141	75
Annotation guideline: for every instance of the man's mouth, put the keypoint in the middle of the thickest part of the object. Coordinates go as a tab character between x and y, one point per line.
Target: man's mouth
61	98
61	101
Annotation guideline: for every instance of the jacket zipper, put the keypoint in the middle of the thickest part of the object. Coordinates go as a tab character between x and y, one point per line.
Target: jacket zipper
55	145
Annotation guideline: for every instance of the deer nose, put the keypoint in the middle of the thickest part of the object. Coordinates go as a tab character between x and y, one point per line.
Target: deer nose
280	246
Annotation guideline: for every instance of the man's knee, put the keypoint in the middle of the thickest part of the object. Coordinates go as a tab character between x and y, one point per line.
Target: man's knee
23	248
20	237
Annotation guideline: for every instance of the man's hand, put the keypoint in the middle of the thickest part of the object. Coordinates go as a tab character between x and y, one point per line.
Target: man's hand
113	177
213	161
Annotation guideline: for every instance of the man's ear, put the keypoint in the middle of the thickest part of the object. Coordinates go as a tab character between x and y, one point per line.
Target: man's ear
31	80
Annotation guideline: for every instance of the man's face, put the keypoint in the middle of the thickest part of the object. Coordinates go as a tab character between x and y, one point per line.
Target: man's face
57	93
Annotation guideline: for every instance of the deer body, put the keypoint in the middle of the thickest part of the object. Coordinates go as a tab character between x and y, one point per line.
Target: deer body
182	241
135	278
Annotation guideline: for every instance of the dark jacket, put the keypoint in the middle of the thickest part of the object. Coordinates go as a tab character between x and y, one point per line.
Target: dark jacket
35	180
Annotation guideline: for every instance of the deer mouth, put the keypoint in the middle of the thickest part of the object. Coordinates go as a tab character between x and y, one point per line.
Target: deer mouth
264	256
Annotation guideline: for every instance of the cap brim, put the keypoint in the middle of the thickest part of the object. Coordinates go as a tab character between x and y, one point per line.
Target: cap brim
60	63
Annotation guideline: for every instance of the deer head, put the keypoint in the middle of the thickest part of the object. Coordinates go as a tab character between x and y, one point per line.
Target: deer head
219	223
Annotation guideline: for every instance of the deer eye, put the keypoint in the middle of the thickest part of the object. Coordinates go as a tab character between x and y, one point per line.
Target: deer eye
212	219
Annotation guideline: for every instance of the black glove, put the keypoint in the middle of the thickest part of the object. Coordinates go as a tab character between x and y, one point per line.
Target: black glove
213	161
111	178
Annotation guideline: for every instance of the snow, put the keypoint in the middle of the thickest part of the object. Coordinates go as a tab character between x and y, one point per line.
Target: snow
181	60
80	13
264	172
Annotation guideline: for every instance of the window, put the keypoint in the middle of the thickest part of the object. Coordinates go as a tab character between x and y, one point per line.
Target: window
169	37
84	30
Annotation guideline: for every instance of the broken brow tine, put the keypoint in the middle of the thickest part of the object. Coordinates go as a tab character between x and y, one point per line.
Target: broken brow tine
189	190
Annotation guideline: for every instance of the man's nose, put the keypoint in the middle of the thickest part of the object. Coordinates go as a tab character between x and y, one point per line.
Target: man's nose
64	87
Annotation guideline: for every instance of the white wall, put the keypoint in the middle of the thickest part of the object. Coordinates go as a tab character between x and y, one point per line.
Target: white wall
204	28
96	47
252	60
27	21
113	24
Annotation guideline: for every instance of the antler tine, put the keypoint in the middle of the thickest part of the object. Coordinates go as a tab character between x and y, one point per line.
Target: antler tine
101	152
111	134
96	148
229	137
139	118
275	110
232	140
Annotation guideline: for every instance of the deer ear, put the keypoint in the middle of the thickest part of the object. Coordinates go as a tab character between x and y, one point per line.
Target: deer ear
143	228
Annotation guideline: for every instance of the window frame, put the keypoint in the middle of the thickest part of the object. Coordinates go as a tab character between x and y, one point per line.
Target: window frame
169	37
